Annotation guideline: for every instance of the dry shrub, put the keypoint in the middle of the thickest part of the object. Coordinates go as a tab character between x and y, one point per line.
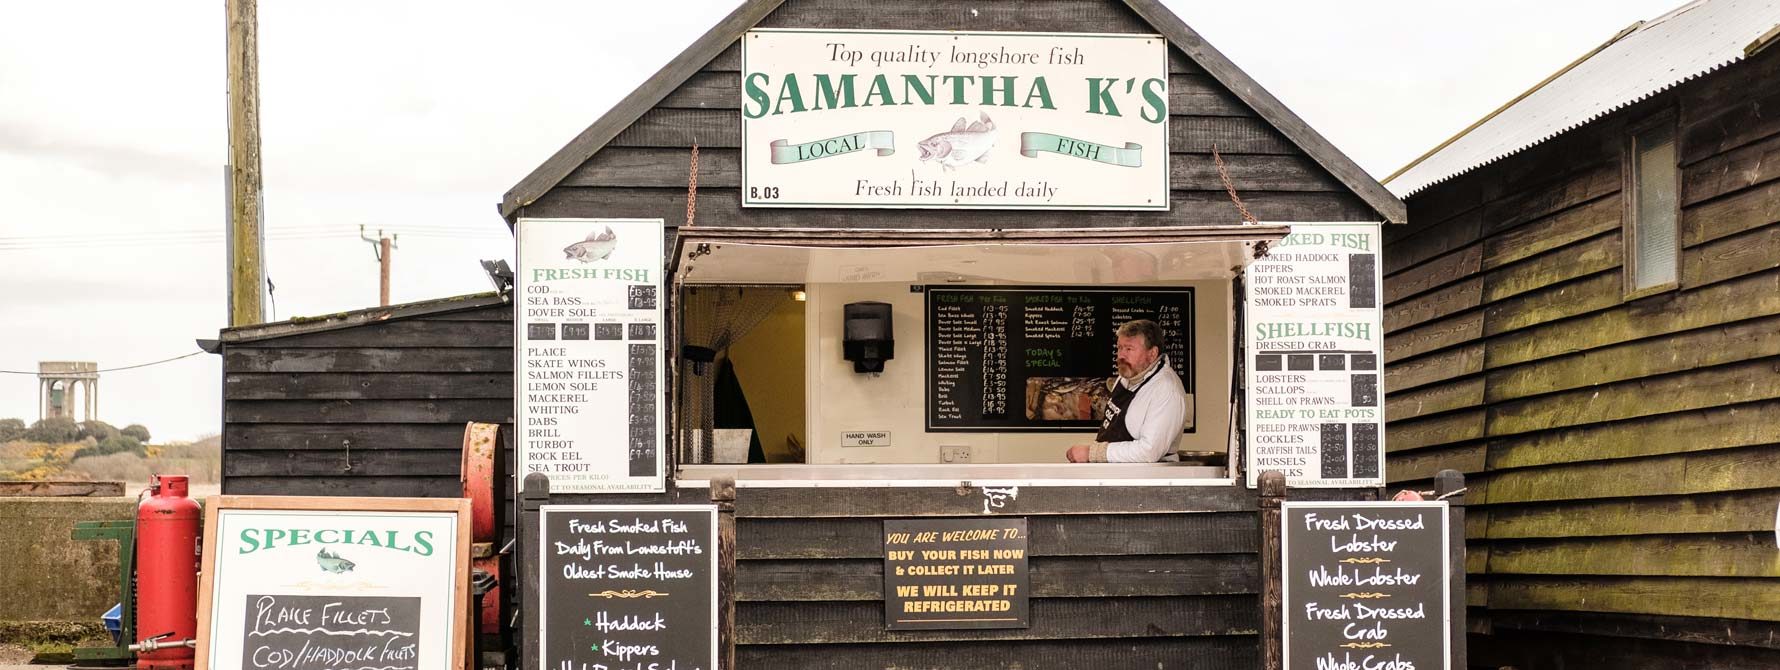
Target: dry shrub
124	466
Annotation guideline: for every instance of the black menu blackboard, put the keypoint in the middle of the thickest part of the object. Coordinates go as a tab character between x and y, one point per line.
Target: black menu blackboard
1037	358
956	573
628	587
1365	585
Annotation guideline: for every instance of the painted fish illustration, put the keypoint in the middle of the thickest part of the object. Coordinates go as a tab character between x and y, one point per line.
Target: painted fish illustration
331	562
596	247
962	144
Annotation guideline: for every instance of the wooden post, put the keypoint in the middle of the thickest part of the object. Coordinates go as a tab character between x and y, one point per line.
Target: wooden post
1448	482
384	247
247	277
723	495
537	495
1273	492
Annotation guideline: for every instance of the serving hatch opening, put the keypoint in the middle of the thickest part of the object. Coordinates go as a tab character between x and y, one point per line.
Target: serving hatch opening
1004	347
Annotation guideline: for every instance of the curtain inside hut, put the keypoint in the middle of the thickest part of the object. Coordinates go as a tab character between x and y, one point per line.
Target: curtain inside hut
715	318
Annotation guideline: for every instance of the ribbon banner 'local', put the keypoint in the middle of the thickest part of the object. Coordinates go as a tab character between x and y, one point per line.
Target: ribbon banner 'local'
882	141
1033	143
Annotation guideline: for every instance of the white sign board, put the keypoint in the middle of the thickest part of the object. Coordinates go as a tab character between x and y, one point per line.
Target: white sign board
334	583
1315	344
865	438
996	120
588	353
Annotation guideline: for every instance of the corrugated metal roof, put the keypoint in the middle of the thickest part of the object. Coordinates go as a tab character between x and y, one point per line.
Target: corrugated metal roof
1643	60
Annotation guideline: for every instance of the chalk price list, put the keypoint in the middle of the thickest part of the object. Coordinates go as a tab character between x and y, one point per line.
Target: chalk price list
628	592
286	632
1366	587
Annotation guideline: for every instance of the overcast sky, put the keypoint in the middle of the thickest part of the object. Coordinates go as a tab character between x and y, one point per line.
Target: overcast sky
414	118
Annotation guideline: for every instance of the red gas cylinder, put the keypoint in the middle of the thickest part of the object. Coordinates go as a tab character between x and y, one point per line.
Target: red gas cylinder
167	564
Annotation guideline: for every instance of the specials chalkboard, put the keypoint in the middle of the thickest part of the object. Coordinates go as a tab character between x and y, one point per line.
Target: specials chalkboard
628	587
294	583
1038	359
1365	585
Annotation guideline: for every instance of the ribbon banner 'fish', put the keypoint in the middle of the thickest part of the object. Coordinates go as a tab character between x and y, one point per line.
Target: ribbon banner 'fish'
1033	143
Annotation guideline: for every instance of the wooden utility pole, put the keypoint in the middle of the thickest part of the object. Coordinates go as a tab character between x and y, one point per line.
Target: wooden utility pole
382	246
247	277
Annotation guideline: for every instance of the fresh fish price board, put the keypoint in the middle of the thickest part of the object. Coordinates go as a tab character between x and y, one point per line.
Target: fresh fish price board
1366	586
588	353
1037	358
333	584
628	587
1001	120
1315	342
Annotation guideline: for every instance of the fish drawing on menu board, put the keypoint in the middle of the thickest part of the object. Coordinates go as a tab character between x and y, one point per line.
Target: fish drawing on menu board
597	247
332	562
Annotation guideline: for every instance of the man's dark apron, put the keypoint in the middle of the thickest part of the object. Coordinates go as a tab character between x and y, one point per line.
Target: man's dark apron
1112	428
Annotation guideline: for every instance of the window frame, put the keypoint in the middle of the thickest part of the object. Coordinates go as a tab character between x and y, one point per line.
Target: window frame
1629	210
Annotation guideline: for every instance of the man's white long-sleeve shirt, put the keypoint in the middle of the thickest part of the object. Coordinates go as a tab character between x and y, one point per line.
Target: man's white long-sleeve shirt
1155	419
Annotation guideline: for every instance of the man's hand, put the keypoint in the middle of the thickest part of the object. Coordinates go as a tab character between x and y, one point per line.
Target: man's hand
1078	454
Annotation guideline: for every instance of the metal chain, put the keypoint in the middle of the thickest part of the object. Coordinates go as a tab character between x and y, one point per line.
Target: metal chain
1230	187
692	188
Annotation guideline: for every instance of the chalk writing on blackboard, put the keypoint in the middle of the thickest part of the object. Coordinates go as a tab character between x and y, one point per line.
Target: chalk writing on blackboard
332	632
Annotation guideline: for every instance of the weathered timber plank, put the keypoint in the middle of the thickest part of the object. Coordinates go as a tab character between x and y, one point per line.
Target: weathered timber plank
1437	272
1746	210
1430	306
1744	298
1200	95
1537	650
1596	254
1593	293
1425	370
1434	206
1461	329
646	167
1694	349
1673	474
363	386
404	487
405	333
1423	464
377	360
1716	512
854	622
1729	598
1201	653
1698	389
706	89
1087	16
799	503
330	436
1730	257
1750	116
1696	555
1433	431
67	489
345	463
1408	251
1052	577
1434	399
496	410
1679	629
1558	230
493	313
729	60
1068	535
1521	207
1725	173
720	207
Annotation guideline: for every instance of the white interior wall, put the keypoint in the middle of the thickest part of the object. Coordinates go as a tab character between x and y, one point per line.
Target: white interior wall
840	400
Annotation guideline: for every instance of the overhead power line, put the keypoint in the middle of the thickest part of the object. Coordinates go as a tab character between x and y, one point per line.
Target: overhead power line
127	367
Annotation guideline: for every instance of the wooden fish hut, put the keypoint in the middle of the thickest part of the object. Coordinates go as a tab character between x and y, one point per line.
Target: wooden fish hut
1587	326
850	272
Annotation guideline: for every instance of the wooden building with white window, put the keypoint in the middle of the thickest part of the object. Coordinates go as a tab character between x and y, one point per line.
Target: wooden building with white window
1584	316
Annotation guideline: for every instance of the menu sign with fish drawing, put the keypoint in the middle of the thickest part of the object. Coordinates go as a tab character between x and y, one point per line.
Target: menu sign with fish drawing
997	120
1365	586
333	583
627	587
